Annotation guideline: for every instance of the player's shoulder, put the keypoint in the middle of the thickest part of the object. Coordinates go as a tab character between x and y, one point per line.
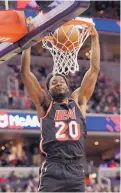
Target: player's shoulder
73	102
80	106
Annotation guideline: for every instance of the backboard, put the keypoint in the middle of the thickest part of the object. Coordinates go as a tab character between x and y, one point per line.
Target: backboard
51	17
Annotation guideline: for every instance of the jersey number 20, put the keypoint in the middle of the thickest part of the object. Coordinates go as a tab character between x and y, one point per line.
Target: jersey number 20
73	130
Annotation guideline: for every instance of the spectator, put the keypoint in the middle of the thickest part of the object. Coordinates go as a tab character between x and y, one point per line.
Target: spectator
36	157
29	183
105	98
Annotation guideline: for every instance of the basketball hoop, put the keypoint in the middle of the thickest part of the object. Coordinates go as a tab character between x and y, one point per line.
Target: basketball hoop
65	53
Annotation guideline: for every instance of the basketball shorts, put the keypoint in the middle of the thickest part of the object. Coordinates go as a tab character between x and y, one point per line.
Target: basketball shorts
60	175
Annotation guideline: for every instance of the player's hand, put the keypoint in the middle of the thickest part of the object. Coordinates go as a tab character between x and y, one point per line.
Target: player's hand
94	32
29	21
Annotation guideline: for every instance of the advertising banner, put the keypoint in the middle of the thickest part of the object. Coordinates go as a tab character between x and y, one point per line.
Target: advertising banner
29	121
107	25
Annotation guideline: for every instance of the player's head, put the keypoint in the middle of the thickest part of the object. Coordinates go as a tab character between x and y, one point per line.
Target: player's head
57	86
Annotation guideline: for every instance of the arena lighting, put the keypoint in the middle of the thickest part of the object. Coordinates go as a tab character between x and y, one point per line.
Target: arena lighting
92	162
93	175
117	140
73	73
2	147
101	12
96	143
87	53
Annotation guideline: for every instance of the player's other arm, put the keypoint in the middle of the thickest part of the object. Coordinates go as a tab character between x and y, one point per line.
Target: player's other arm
34	90
84	92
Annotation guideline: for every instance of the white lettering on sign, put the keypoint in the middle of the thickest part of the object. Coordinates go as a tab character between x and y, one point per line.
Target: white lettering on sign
3	39
3	121
16	121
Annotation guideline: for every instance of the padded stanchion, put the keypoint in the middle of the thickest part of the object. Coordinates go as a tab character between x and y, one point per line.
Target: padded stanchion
13	26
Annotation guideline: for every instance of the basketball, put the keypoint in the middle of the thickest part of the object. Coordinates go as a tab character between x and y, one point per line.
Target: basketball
66	38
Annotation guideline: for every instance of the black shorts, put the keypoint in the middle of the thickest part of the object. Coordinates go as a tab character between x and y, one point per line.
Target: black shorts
62	176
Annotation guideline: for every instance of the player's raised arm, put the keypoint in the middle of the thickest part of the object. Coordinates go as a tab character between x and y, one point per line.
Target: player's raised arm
34	90
84	92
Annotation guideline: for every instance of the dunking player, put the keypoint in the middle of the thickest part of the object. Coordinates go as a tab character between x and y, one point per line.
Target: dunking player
62	121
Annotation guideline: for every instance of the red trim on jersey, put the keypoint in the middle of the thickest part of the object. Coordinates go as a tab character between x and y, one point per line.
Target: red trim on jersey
41	148
78	107
43	164
50	106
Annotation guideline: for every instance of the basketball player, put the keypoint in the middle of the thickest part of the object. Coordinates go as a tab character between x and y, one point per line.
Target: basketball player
62	119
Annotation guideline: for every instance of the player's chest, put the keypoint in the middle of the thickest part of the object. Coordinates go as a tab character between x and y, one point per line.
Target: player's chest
64	125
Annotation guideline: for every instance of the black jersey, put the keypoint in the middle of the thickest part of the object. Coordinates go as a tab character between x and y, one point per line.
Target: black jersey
62	131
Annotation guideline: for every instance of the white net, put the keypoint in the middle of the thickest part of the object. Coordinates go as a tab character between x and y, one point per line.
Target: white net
65	53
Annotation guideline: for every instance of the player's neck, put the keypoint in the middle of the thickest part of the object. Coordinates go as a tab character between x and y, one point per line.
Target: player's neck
62	101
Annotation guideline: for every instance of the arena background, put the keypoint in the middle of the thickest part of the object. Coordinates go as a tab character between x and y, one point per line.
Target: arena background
19	126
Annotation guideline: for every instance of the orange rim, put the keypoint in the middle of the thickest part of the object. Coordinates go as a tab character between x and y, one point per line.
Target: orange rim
47	38
78	22
72	22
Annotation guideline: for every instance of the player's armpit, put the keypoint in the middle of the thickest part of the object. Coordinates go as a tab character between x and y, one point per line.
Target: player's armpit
85	91
82	94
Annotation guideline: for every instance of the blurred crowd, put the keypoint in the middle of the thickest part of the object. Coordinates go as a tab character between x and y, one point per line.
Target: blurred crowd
14	154
93	186
105	98
108	9
26	153
104	9
18	182
110	163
